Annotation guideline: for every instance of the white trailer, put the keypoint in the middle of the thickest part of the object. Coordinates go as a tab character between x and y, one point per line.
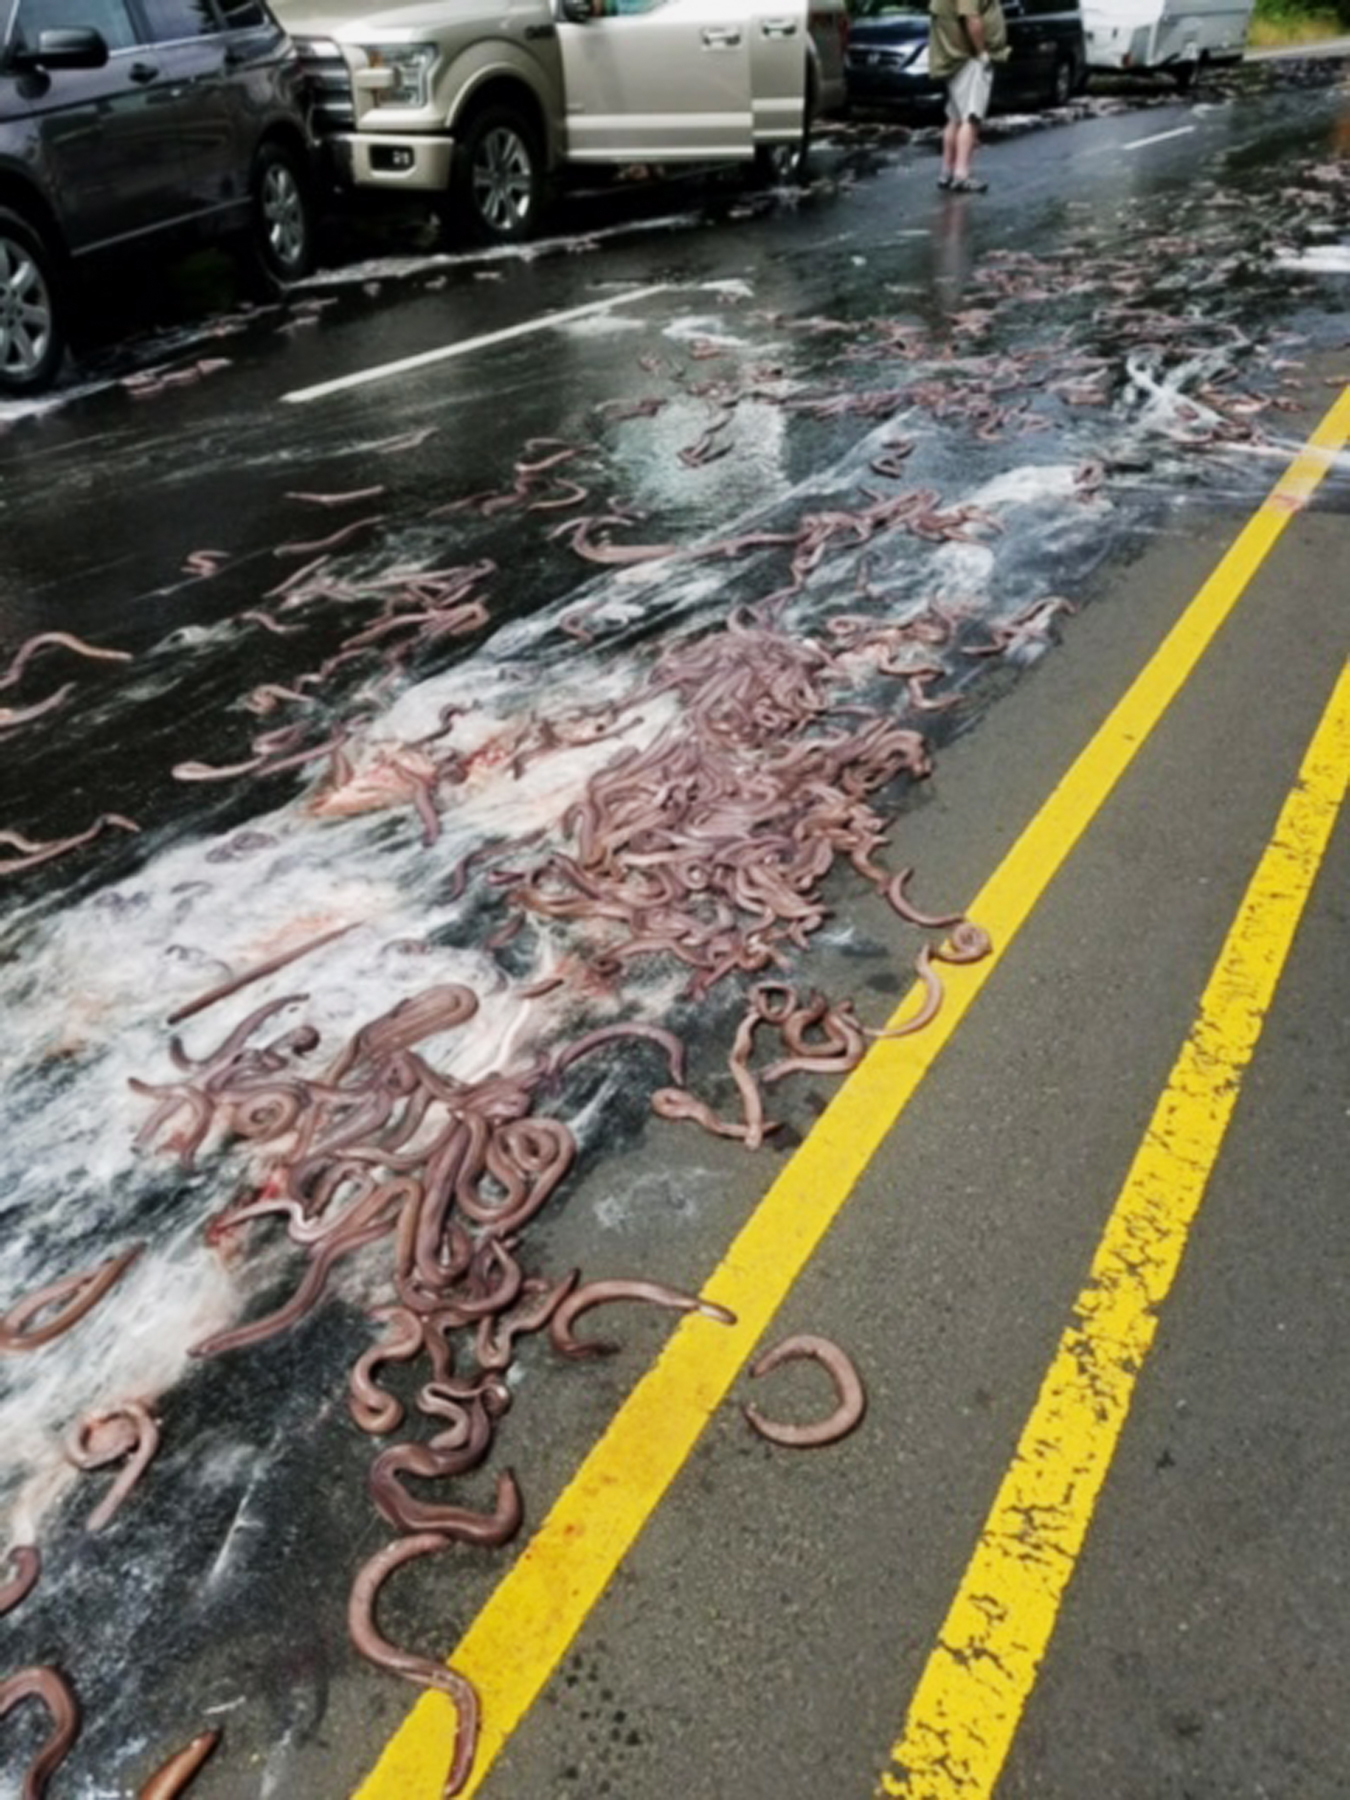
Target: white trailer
1172	37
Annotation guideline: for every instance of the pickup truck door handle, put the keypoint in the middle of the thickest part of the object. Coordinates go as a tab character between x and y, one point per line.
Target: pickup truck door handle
780	28
143	72
717	38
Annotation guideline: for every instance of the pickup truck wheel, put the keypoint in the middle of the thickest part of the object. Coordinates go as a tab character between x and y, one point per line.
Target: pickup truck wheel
782	165
1059	88
281	234
499	178
786	165
32	328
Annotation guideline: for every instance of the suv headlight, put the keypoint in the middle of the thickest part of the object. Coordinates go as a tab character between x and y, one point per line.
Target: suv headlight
398	74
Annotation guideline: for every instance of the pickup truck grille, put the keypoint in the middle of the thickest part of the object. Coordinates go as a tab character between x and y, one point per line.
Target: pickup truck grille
332	107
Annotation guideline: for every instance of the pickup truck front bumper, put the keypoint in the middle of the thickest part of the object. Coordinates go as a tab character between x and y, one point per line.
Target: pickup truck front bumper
380	159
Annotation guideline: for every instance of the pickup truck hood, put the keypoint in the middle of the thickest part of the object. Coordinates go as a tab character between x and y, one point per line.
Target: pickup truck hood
360	21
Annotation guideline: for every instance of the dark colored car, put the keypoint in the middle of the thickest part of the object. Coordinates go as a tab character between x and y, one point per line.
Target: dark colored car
887	56
127	125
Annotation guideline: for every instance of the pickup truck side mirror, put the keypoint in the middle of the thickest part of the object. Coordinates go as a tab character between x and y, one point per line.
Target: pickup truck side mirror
576	12
75	48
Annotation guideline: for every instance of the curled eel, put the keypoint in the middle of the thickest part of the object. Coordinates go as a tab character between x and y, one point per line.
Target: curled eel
35	853
26	1560
170	1779
752	1100
967	944
454	1451
51	1687
374	1410
365	1634
541	1149
29	648
604	1034
679	1104
435	1009
306	1295
73	1295
895	893
129	1430
848	1410
601	1293
492	1300
494	1344
11	716
932	1000
485	1529
841	1050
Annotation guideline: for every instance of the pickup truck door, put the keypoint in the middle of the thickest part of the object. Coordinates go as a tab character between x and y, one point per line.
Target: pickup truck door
659	81
778	59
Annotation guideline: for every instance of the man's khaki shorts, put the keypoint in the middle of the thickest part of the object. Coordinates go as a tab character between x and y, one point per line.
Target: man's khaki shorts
968	92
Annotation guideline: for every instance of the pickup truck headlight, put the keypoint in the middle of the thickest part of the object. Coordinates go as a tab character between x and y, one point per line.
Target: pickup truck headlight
398	74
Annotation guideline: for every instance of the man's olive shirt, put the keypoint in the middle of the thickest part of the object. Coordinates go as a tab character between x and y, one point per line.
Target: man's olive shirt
948	44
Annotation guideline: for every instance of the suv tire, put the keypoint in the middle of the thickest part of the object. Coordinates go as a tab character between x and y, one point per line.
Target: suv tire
281	222
497	184
32	327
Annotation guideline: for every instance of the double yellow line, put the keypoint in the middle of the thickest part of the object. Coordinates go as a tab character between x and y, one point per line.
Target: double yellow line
526	1626
972	1693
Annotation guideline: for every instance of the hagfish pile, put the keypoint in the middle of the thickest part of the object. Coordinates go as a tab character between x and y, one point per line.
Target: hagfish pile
750	763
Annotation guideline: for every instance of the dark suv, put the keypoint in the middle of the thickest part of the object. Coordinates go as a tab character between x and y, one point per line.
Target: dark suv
125	124
887	56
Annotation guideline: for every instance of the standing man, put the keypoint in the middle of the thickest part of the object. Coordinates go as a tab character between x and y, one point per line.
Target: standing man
966	38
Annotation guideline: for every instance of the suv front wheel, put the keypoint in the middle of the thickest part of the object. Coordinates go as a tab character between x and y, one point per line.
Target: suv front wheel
281	223
498	179
32	337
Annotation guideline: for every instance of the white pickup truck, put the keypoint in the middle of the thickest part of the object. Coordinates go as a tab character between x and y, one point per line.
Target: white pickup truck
486	106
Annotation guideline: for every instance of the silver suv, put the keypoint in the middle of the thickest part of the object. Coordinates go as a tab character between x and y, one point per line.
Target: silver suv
127	123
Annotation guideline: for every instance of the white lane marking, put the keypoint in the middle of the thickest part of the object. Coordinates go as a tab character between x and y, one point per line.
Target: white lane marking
1160	137
466	346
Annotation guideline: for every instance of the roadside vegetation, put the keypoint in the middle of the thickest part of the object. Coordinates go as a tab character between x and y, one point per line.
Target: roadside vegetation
1276	23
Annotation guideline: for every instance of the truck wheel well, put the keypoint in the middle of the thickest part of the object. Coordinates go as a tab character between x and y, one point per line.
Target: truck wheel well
27	202
508	93
287	139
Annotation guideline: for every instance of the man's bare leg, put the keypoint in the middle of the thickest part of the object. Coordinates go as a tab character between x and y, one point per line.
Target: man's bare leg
965	138
949	150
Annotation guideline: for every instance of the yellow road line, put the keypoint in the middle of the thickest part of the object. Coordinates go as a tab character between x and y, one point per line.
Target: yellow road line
970	1697
526	1625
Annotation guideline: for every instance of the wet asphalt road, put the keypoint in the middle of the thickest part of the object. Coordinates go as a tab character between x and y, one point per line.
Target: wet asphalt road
764	1636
